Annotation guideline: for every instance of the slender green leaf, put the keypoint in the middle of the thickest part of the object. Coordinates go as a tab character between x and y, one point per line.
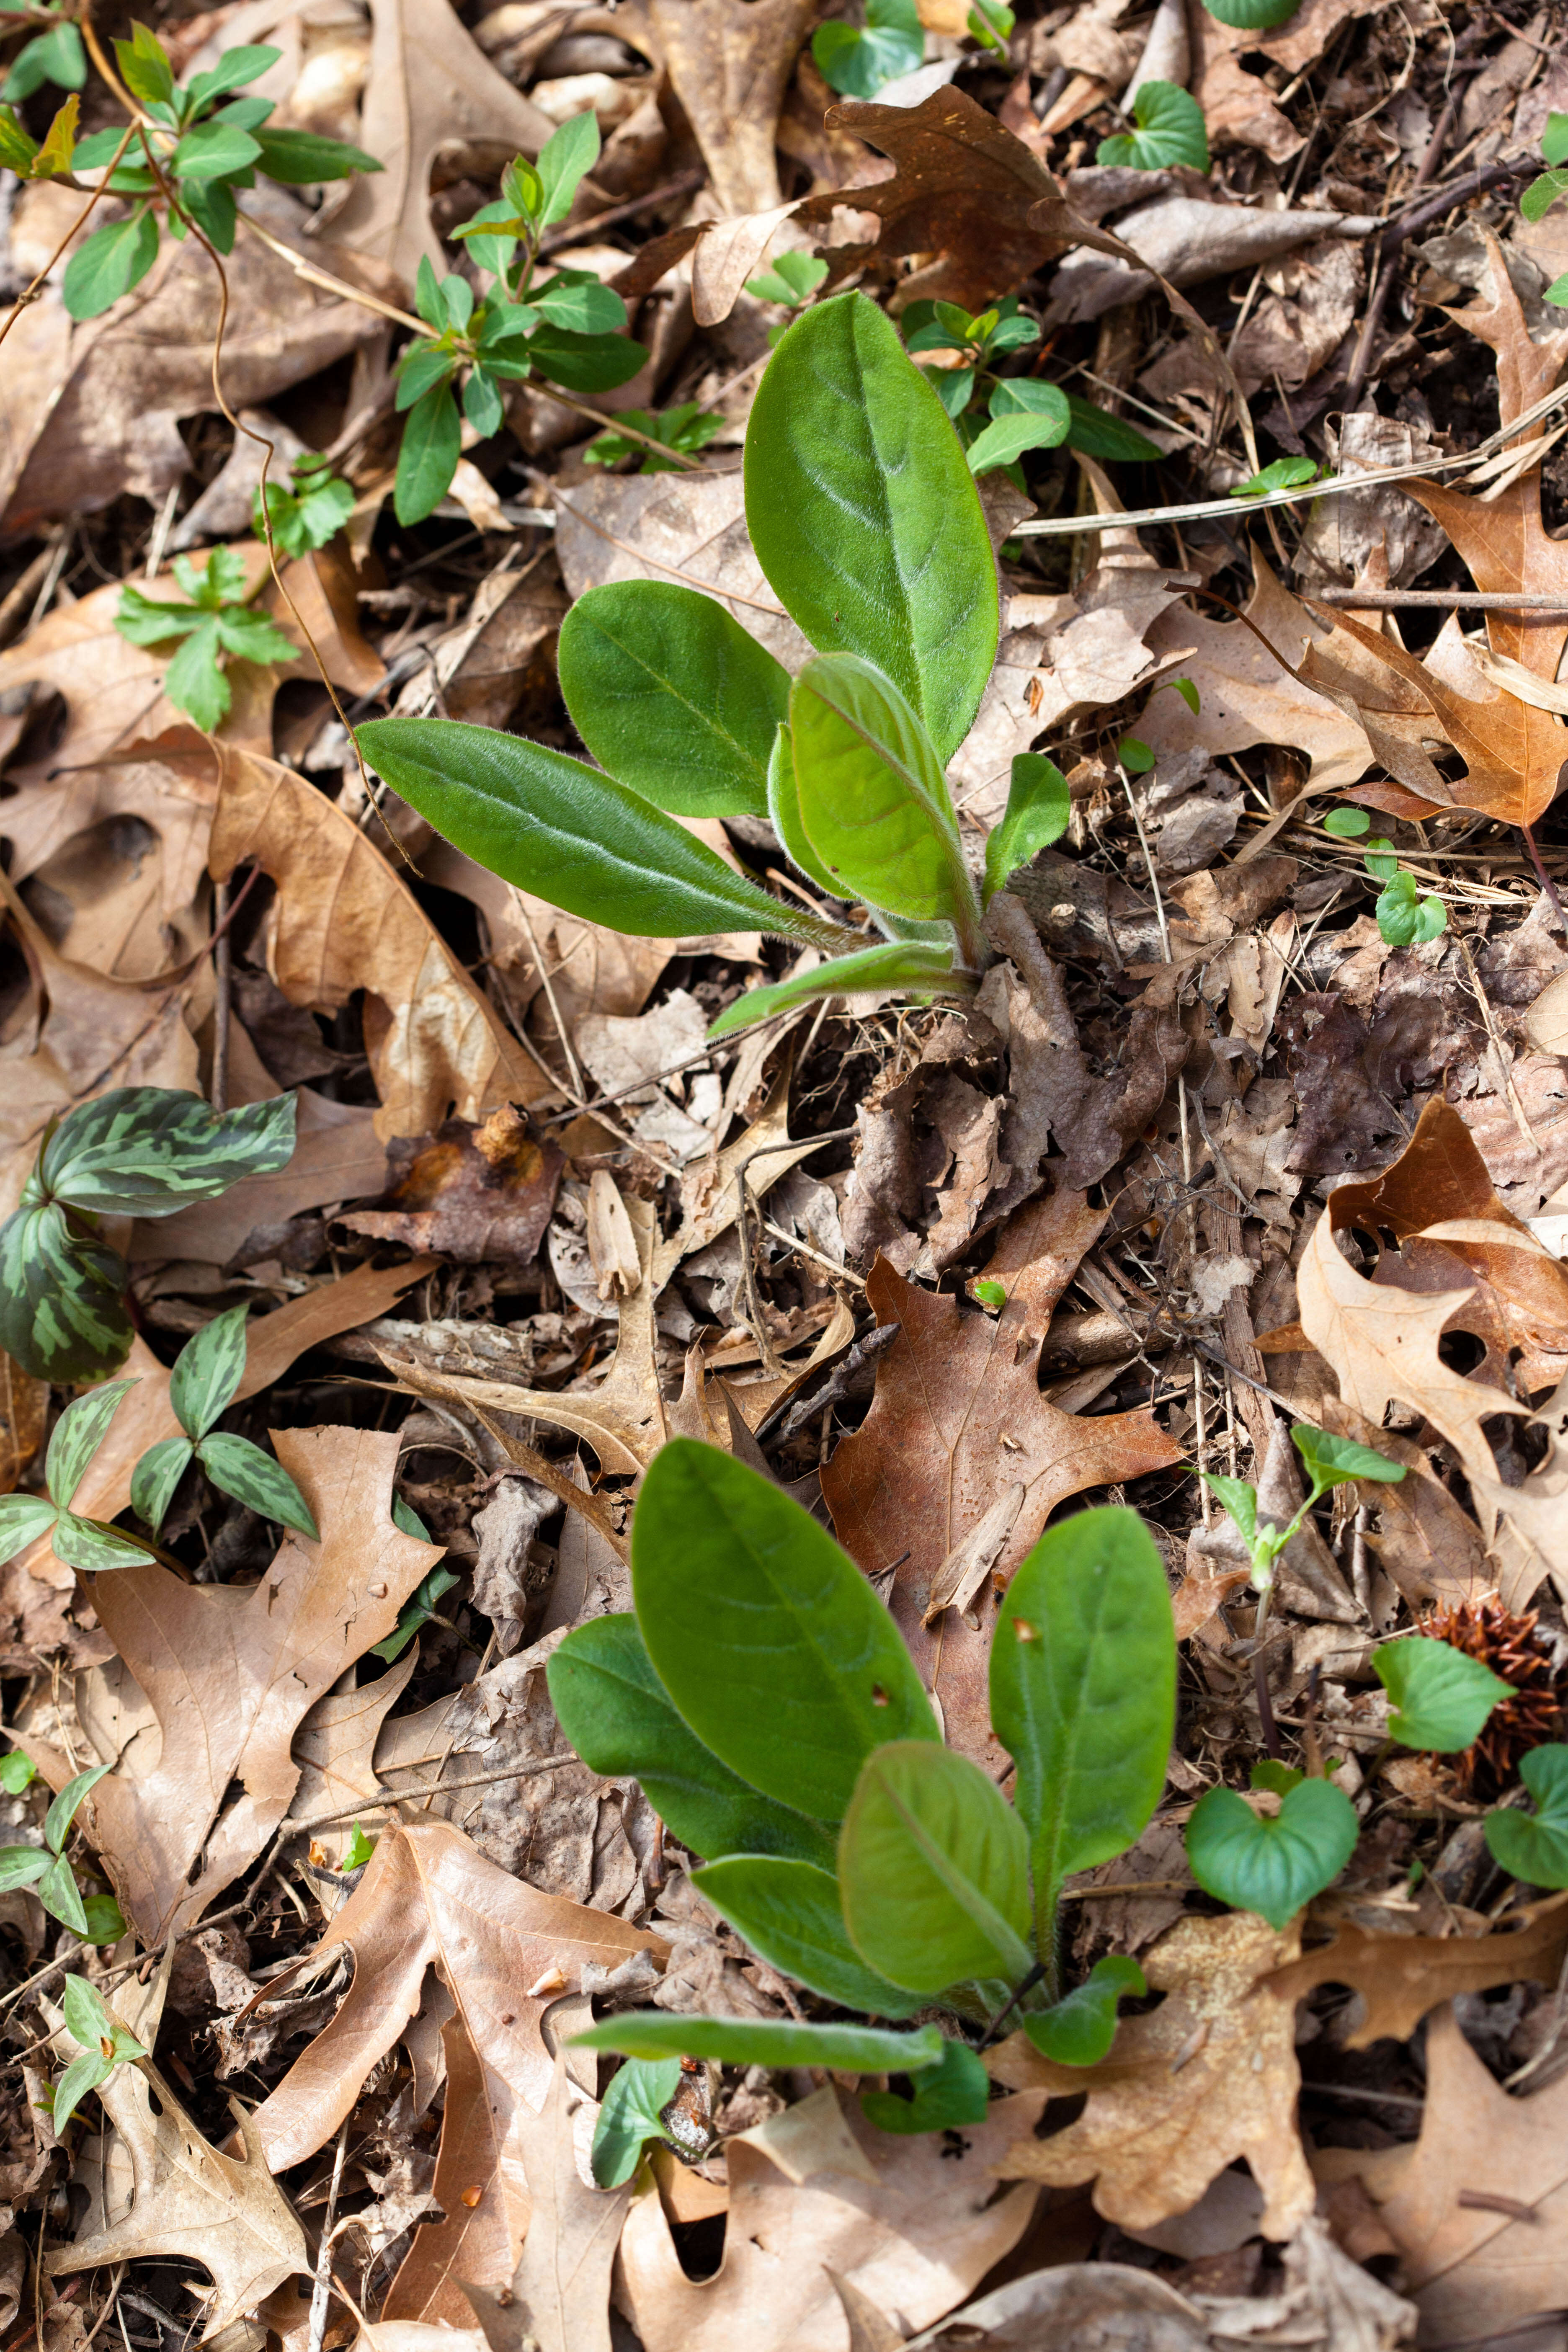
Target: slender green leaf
78	1435
1441	1697
66	1806
1238	1498
790	1913
1109	438
764	2041
873	799
1271	1868
108	264
944	2097
1170	132
248	61
1284	474
1083	1691
83	2074
147	1151
784	812
302	159
917	964
865	516
96	1550
21	1865
767	1637
673	697
616	1714
1253	15
61	1897
419	1608
630	2116
580	839
934	1869
155	1477
1535	1846
1039	807
208	1371
255	1478
565	161
23	1519
1078	2030
62	1298
144	66
427	459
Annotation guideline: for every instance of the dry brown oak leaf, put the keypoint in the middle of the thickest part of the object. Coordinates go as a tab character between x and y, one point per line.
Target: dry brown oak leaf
1478	2205
958	1415
230	1672
189	2200
429	1897
1399	1978
915	2240
729	62
560	2288
346	921
1209	2075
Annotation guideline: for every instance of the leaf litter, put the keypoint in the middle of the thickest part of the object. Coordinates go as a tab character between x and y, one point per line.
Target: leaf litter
1232	1152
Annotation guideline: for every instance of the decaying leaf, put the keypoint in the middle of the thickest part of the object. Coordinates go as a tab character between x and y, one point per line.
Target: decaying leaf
1209	2075
561	2290
1399	1978
473	1193
503	1952
729	61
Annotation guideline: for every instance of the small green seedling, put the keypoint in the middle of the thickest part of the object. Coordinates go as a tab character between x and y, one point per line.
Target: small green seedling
136	1151
214	623
1328	1461
45	1869
90	1545
566	332
1284	474
50	158
1533	1847
790	281
1543	192
683	430
1347	823
1171	131
1136	756
55	54
189	157
105	2044
207	1373
358	1851
17	1772
310	511
419	1608
992	1295
1025	412
1403	916
855	61
1441	1697
631	2114
990	24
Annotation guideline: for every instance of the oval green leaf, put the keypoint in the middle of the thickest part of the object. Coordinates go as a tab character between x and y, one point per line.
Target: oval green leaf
783	811
1171	131
618	1715
1253	15
1271	1868
1083	1692
208	1371
767	1637
895	964
673	697
790	1913
873	799
556	826
1078	2030
1039	807
865	516
427	459
933	1868
764	2041
1003	441
78	1435
944	2097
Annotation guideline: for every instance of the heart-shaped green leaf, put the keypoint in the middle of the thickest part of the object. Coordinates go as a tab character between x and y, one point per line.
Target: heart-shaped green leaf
673	697
1078	2030
944	2097
618	1715
1169	131
764	2041
1535	1846
630	2116
865	516
894	963
1083	1692
1441	1697
873	799
767	1637
580	839
790	1913
933	1871
1039	807
1271	1868
856	62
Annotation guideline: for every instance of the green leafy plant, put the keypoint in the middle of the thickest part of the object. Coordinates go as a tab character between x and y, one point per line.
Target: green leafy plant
1535	1846
1328	1461
1025	412
857	60
105	2044
17	1772
1271	1865
763	1698
136	1151
207	1371
764	2041
791	280
1136	756
1403	916
359	1849
186	164
683	430
45	1868
52	158
308	511
855	479
1543	192
89	1544
55	54
992	24
215	623
1171	131
419	1608
564	331
1441	1697
1284	474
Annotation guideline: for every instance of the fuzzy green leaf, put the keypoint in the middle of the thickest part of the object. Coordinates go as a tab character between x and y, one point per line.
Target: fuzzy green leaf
934	1869
1441	1697
917	964
873	799
954	2091
865	516
1078	2030
1039	807
790	1913
764	2041
1271	1868
783	812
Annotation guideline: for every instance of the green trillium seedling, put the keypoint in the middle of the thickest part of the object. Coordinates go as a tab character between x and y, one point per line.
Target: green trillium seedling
136	1151
865	517
104	2042
94	1918
89	1545
206	1375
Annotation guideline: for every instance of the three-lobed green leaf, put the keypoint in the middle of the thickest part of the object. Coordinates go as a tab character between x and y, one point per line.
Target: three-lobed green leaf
933	1869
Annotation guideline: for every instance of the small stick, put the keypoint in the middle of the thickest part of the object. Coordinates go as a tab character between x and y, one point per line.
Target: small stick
1441	600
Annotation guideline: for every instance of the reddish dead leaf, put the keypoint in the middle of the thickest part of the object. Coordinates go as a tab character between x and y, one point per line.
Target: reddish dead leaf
1399	1978
958	1415
474	1193
429	1897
